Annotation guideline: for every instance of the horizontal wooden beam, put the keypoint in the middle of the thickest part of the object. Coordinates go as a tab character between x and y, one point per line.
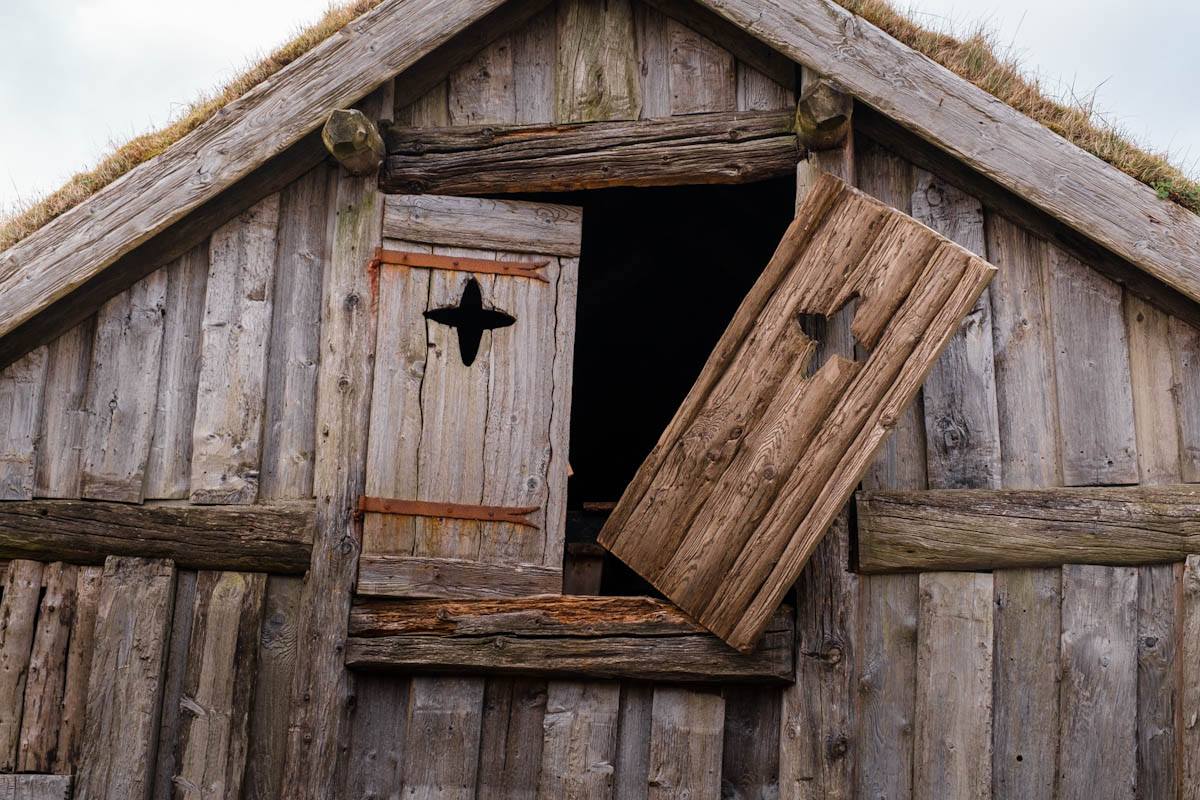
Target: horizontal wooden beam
417	576
260	538
595	637
732	147
975	529
1022	155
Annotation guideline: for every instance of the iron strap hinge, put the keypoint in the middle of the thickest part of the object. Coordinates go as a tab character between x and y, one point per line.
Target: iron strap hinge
516	269
420	508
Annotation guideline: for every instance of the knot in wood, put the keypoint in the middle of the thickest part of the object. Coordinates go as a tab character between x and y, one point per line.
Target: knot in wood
837	747
832	653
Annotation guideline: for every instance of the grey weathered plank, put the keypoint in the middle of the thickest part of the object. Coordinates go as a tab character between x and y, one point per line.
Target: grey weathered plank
953	731
1153	382
35	787
274	538
175	669
18	613
441	748
750	762
122	391
494	224
510	747
60	442
375	755
703	76
277	654
632	767
21	390
1189	684
685	744
580	743
231	395
719	147
1098	698
654	70
126	680
1091	369
1185	352
597	68
169	465
757	92
997	140
481	91
79	665
534	50
289	424
218	684
67	252
322	691
424	576
41	717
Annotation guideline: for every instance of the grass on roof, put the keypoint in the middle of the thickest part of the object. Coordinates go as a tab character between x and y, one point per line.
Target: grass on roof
974	58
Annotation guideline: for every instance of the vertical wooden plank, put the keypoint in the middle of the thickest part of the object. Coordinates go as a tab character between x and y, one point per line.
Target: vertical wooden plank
231	397
376	754
68	359
480	92
580	743
122	391
1189	682
21	386
1152	371
430	110
178	651
441	751
289	430
1098	701
1091	369
510	749
322	691
533	59
272	689
630	774
654	73
79	665
18	614
597	65
962	428
757	92
685	744
42	715
953	730
169	466
1185	351
126	680
562	374
750	763
217	685
703	75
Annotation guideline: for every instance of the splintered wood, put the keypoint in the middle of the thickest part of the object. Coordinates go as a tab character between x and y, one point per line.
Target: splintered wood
727	508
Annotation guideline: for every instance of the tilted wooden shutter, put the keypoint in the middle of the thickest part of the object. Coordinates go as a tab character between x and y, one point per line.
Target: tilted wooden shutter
759	459
492	434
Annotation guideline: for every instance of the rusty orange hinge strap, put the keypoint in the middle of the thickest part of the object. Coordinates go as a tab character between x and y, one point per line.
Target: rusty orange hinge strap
518	269
420	508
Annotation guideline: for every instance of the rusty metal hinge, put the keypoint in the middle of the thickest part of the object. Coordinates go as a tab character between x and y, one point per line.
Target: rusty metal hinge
420	508
516	269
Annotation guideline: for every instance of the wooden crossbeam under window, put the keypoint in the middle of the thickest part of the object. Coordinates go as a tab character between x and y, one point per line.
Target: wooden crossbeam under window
975	529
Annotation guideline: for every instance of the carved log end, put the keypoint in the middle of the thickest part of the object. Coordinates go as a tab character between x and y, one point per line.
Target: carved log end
823	116
352	139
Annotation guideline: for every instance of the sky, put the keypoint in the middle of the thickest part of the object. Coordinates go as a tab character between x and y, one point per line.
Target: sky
77	76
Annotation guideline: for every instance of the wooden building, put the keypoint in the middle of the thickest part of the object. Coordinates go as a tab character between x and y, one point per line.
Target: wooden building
286	415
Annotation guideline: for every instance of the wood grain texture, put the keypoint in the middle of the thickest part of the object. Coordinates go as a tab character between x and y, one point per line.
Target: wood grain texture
218	684
41	717
685	744
1189	682
534	51
1185	353
175	669
732	578
482	91
703	75
599	637
1098	700
1091	369
510	746
64	416
231	396
425	576
273	538
725	147
122	391
169	465
375	756
597	66
18	616
441	749
633	740
996	140
289	428
750	762
757	92
953	733
654	71
490	224
79	666
993	529
126	679
67	252
22	384
35	787
580	740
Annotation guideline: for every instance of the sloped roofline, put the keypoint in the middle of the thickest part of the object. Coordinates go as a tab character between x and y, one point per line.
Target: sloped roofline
1018	153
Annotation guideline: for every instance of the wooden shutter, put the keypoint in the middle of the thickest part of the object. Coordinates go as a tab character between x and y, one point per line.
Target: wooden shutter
727	508
470	440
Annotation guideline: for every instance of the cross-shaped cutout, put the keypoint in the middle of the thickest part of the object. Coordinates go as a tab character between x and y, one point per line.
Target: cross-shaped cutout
470	319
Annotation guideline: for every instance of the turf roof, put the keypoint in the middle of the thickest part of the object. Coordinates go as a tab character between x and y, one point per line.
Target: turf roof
974	58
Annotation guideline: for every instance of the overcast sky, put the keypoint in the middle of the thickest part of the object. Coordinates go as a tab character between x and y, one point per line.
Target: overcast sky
79	75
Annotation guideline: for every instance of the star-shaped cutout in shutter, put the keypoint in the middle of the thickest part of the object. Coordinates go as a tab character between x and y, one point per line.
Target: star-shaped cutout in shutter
470	319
